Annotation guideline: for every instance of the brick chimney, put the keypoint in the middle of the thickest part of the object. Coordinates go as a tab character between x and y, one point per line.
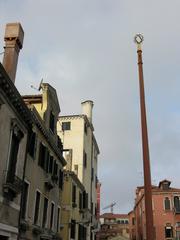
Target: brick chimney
87	107
13	38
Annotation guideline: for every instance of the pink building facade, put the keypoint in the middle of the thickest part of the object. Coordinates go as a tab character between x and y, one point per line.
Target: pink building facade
166	212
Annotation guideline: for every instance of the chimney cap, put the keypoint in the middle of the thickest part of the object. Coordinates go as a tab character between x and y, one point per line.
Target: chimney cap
14	30
87	101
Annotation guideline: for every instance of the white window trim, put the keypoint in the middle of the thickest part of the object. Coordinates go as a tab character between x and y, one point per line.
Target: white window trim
27	203
46	223
52	202
170	204
58	224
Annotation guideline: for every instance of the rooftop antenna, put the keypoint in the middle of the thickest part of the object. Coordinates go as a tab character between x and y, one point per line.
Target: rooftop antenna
40	86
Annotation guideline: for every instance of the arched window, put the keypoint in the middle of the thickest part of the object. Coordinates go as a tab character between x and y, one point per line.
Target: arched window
177	203
167	204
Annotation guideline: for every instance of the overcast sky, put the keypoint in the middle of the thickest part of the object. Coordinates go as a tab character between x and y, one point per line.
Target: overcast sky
85	49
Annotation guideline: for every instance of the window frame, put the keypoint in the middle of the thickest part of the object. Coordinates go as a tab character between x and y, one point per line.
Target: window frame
66	126
39	209
27	201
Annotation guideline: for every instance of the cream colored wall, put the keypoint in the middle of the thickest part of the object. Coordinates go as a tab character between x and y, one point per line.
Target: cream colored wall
77	140
68	212
73	139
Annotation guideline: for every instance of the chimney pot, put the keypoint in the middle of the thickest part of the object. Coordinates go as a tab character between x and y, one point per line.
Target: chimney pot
87	107
13	38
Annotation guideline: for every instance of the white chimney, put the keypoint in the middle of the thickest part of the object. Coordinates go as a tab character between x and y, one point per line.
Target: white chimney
13	38
87	107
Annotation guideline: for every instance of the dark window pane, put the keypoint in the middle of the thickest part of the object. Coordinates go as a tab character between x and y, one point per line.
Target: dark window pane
80	200
24	199
61	179
58	221
36	212
51	164
177	203
42	155
73	229
66	126
167	203
32	145
85	160
73	194
168	232
52	215
14	147
45	208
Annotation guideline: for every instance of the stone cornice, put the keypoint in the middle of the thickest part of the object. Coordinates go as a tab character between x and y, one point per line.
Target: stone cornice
14	98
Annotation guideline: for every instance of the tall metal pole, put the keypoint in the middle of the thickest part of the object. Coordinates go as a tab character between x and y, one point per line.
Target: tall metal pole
145	146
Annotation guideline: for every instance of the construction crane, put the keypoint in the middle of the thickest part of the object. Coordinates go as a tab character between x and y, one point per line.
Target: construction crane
110	206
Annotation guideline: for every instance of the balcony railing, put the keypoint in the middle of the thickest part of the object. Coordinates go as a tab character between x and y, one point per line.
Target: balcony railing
12	185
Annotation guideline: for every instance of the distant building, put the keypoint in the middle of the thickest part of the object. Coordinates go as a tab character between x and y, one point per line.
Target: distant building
113	225
43	179
166	212
73	220
77	134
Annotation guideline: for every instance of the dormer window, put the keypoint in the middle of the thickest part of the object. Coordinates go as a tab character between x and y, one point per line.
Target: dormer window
164	185
52	122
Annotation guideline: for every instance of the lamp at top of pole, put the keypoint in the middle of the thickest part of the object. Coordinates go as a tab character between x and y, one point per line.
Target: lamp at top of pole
138	39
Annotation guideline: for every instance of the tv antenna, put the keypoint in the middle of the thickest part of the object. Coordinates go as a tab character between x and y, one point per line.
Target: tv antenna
40	86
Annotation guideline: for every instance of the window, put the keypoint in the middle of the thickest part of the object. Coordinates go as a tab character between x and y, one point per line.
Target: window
92	174
24	199
37	205
52	216
80	201
168	232
32	145
66	126
55	170
45	209
92	205
85	160
51	160
46	160
177	235
58	218
73	229
177	204
42	154
14	148
73	193
52	122
76	169
85	199
167	204
85	128
61	179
